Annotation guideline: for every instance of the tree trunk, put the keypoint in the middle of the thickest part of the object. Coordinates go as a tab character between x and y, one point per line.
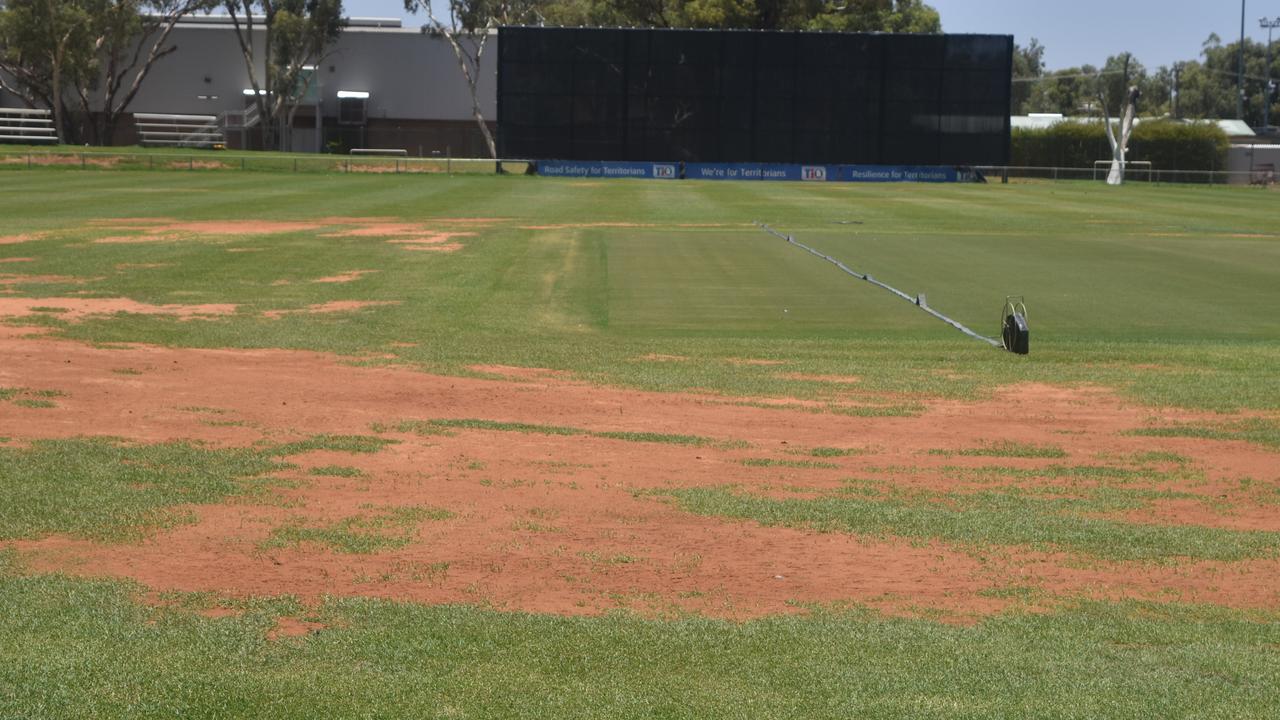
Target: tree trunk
56	79
1120	146
57	107
484	130
1116	175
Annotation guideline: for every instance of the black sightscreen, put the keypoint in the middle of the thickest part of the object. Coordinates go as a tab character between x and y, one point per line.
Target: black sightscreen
745	96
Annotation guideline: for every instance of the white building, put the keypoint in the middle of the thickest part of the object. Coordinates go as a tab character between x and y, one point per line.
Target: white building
417	99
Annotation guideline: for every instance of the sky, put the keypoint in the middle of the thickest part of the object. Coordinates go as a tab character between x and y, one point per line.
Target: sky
1073	32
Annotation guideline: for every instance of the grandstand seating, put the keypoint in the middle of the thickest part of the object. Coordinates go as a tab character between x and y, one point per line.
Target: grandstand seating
179	130
19	125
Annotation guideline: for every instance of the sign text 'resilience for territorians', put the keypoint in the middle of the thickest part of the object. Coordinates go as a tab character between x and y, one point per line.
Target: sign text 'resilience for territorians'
754	171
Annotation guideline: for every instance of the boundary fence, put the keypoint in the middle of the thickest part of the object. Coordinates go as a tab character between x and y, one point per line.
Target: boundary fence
213	161
998	173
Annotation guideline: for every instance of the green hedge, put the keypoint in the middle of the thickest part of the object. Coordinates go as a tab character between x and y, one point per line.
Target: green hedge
1167	145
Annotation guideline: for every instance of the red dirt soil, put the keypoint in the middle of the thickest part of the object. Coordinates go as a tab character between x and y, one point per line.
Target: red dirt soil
78	308
410	235
333	306
562	524
17	239
344	277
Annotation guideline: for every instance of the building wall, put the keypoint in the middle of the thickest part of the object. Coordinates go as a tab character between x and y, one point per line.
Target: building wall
418	99
409	75
1243	159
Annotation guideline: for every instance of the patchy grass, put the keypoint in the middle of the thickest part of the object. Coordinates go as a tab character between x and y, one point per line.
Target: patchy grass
28	398
798	464
712	294
105	490
345	471
1007	448
830	452
34	403
337	443
387	529
1258	431
375	658
1039	520
445	425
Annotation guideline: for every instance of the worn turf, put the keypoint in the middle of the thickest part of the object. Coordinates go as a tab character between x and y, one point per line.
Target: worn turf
1165	293
1160	292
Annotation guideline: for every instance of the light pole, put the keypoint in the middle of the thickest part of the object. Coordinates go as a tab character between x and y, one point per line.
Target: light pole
1240	69
1270	24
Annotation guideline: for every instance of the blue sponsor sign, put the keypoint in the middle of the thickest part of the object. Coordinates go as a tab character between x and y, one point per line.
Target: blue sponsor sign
759	171
899	173
754	171
822	173
601	169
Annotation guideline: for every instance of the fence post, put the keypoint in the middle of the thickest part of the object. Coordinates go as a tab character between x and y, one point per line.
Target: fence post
82	165
295	164
191	163
242	166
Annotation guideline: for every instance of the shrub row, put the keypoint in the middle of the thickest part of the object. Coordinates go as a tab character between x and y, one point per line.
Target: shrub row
1168	145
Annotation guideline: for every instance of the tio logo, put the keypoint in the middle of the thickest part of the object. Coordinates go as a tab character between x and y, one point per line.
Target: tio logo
665	172
813	172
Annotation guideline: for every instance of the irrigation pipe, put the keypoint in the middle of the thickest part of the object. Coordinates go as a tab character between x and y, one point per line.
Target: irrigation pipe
918	300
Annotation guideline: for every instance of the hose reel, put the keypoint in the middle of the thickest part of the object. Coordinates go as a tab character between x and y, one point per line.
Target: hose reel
1014	332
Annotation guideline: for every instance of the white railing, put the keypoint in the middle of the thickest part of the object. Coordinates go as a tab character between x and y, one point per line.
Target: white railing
178	130
27	126
240	119
1127	167
329	163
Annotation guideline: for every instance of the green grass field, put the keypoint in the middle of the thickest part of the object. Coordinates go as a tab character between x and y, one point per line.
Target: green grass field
1167	295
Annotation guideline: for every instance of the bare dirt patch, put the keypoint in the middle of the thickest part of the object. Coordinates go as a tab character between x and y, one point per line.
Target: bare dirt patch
63	159
579	524
198	165
527	373
598	225
832	379
411	236
293	627
166	230
659	357
437	236
345	277
14	279
72	309
754	361
21	238
587	226
17	259
333	306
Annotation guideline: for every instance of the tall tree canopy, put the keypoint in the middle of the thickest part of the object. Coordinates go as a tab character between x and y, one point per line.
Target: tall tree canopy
911	16
297	34
88	55
1206	88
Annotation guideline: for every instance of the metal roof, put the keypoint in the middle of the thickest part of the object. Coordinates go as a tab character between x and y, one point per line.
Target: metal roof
1039	121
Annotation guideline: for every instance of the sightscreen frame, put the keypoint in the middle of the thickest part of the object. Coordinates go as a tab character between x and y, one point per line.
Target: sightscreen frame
753	96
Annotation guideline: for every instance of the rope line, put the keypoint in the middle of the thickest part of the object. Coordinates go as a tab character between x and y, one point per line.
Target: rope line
863	276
